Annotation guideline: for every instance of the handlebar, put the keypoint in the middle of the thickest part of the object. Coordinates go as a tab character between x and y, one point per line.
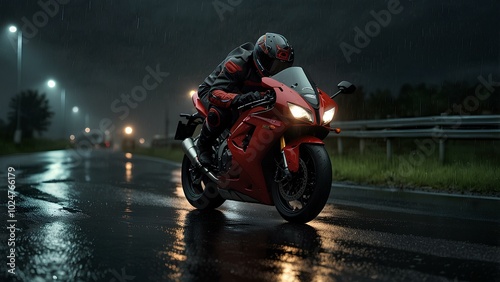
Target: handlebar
266	100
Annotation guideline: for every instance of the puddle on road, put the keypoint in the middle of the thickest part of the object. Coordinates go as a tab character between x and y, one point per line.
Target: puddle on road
56	251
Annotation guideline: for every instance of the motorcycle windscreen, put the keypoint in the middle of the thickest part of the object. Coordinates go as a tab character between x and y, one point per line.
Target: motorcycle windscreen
297	79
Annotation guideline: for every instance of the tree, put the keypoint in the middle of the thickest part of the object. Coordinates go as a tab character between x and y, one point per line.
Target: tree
408	101
380	105
3	129
351	106
35	113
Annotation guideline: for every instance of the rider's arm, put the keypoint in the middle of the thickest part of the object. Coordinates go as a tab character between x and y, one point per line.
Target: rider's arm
226	86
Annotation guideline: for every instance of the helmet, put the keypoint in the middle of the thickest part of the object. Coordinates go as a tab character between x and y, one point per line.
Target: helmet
272	54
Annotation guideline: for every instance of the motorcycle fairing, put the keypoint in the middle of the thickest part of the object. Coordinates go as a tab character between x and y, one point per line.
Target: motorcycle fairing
246	174
199	105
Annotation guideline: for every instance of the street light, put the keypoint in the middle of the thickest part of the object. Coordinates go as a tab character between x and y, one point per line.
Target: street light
128	130
18	132
75	109
192	92
51	83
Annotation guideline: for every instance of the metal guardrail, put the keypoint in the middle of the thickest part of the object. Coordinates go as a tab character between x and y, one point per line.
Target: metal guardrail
441	121
433	132
438	128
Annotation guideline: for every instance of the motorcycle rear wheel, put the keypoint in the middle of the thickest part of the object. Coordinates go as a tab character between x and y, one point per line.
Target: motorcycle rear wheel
302	198
203	196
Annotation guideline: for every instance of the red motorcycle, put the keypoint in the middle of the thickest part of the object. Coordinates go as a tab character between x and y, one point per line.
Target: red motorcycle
273	154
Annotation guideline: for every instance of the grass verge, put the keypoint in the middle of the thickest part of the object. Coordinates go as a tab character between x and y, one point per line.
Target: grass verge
469	167
32	145
173	153
459	177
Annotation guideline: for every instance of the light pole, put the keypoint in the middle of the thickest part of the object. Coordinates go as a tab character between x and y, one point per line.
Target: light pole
76	112
18	132
51	83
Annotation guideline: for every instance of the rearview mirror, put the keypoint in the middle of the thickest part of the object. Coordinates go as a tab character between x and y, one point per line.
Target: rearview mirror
346	87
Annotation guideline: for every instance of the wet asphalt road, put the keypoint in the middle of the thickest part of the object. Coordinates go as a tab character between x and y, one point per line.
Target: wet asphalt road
106	216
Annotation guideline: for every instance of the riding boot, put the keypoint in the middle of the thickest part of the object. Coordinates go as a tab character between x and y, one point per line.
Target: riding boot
205	143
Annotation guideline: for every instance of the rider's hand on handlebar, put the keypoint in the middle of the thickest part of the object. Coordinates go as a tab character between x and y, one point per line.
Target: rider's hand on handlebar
251	98
246	98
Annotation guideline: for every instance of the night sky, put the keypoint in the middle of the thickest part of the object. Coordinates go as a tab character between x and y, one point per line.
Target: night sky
99	50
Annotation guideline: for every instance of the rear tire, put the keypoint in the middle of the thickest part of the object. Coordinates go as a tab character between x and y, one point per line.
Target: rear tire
203	196
303	197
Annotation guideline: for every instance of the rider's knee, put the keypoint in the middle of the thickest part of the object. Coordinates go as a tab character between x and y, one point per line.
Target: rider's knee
214	119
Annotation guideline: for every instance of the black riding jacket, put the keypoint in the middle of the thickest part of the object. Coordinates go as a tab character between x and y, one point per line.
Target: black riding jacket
236	74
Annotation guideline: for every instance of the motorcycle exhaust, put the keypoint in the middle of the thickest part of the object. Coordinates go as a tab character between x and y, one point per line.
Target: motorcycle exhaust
190	150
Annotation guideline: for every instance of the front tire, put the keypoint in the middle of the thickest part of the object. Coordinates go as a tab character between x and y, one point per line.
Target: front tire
203	196
303	197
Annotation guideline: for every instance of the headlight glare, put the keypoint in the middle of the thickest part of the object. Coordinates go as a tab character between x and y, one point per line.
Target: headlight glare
300	113
328	116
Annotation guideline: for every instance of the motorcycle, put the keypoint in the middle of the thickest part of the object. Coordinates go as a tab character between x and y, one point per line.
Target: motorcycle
273	154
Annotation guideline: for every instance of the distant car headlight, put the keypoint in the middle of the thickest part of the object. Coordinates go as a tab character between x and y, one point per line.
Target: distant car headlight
300	113
328	115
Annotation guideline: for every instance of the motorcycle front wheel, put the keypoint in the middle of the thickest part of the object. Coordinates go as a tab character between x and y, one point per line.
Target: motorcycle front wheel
203	195
301	198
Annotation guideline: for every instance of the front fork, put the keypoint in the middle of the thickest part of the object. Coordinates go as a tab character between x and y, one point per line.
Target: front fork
287	175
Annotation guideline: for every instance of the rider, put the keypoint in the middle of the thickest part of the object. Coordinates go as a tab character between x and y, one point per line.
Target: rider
236	81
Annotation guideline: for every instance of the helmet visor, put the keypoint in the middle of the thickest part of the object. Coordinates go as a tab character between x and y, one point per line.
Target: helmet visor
279	65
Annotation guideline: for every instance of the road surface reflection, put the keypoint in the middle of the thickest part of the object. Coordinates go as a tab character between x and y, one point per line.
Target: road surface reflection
210	246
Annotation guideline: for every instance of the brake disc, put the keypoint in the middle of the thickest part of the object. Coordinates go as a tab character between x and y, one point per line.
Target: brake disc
294	189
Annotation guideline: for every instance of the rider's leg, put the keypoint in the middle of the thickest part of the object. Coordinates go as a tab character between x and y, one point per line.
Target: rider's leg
215	123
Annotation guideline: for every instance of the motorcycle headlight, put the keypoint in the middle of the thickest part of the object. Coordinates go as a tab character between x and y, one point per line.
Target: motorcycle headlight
328	116
300	113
